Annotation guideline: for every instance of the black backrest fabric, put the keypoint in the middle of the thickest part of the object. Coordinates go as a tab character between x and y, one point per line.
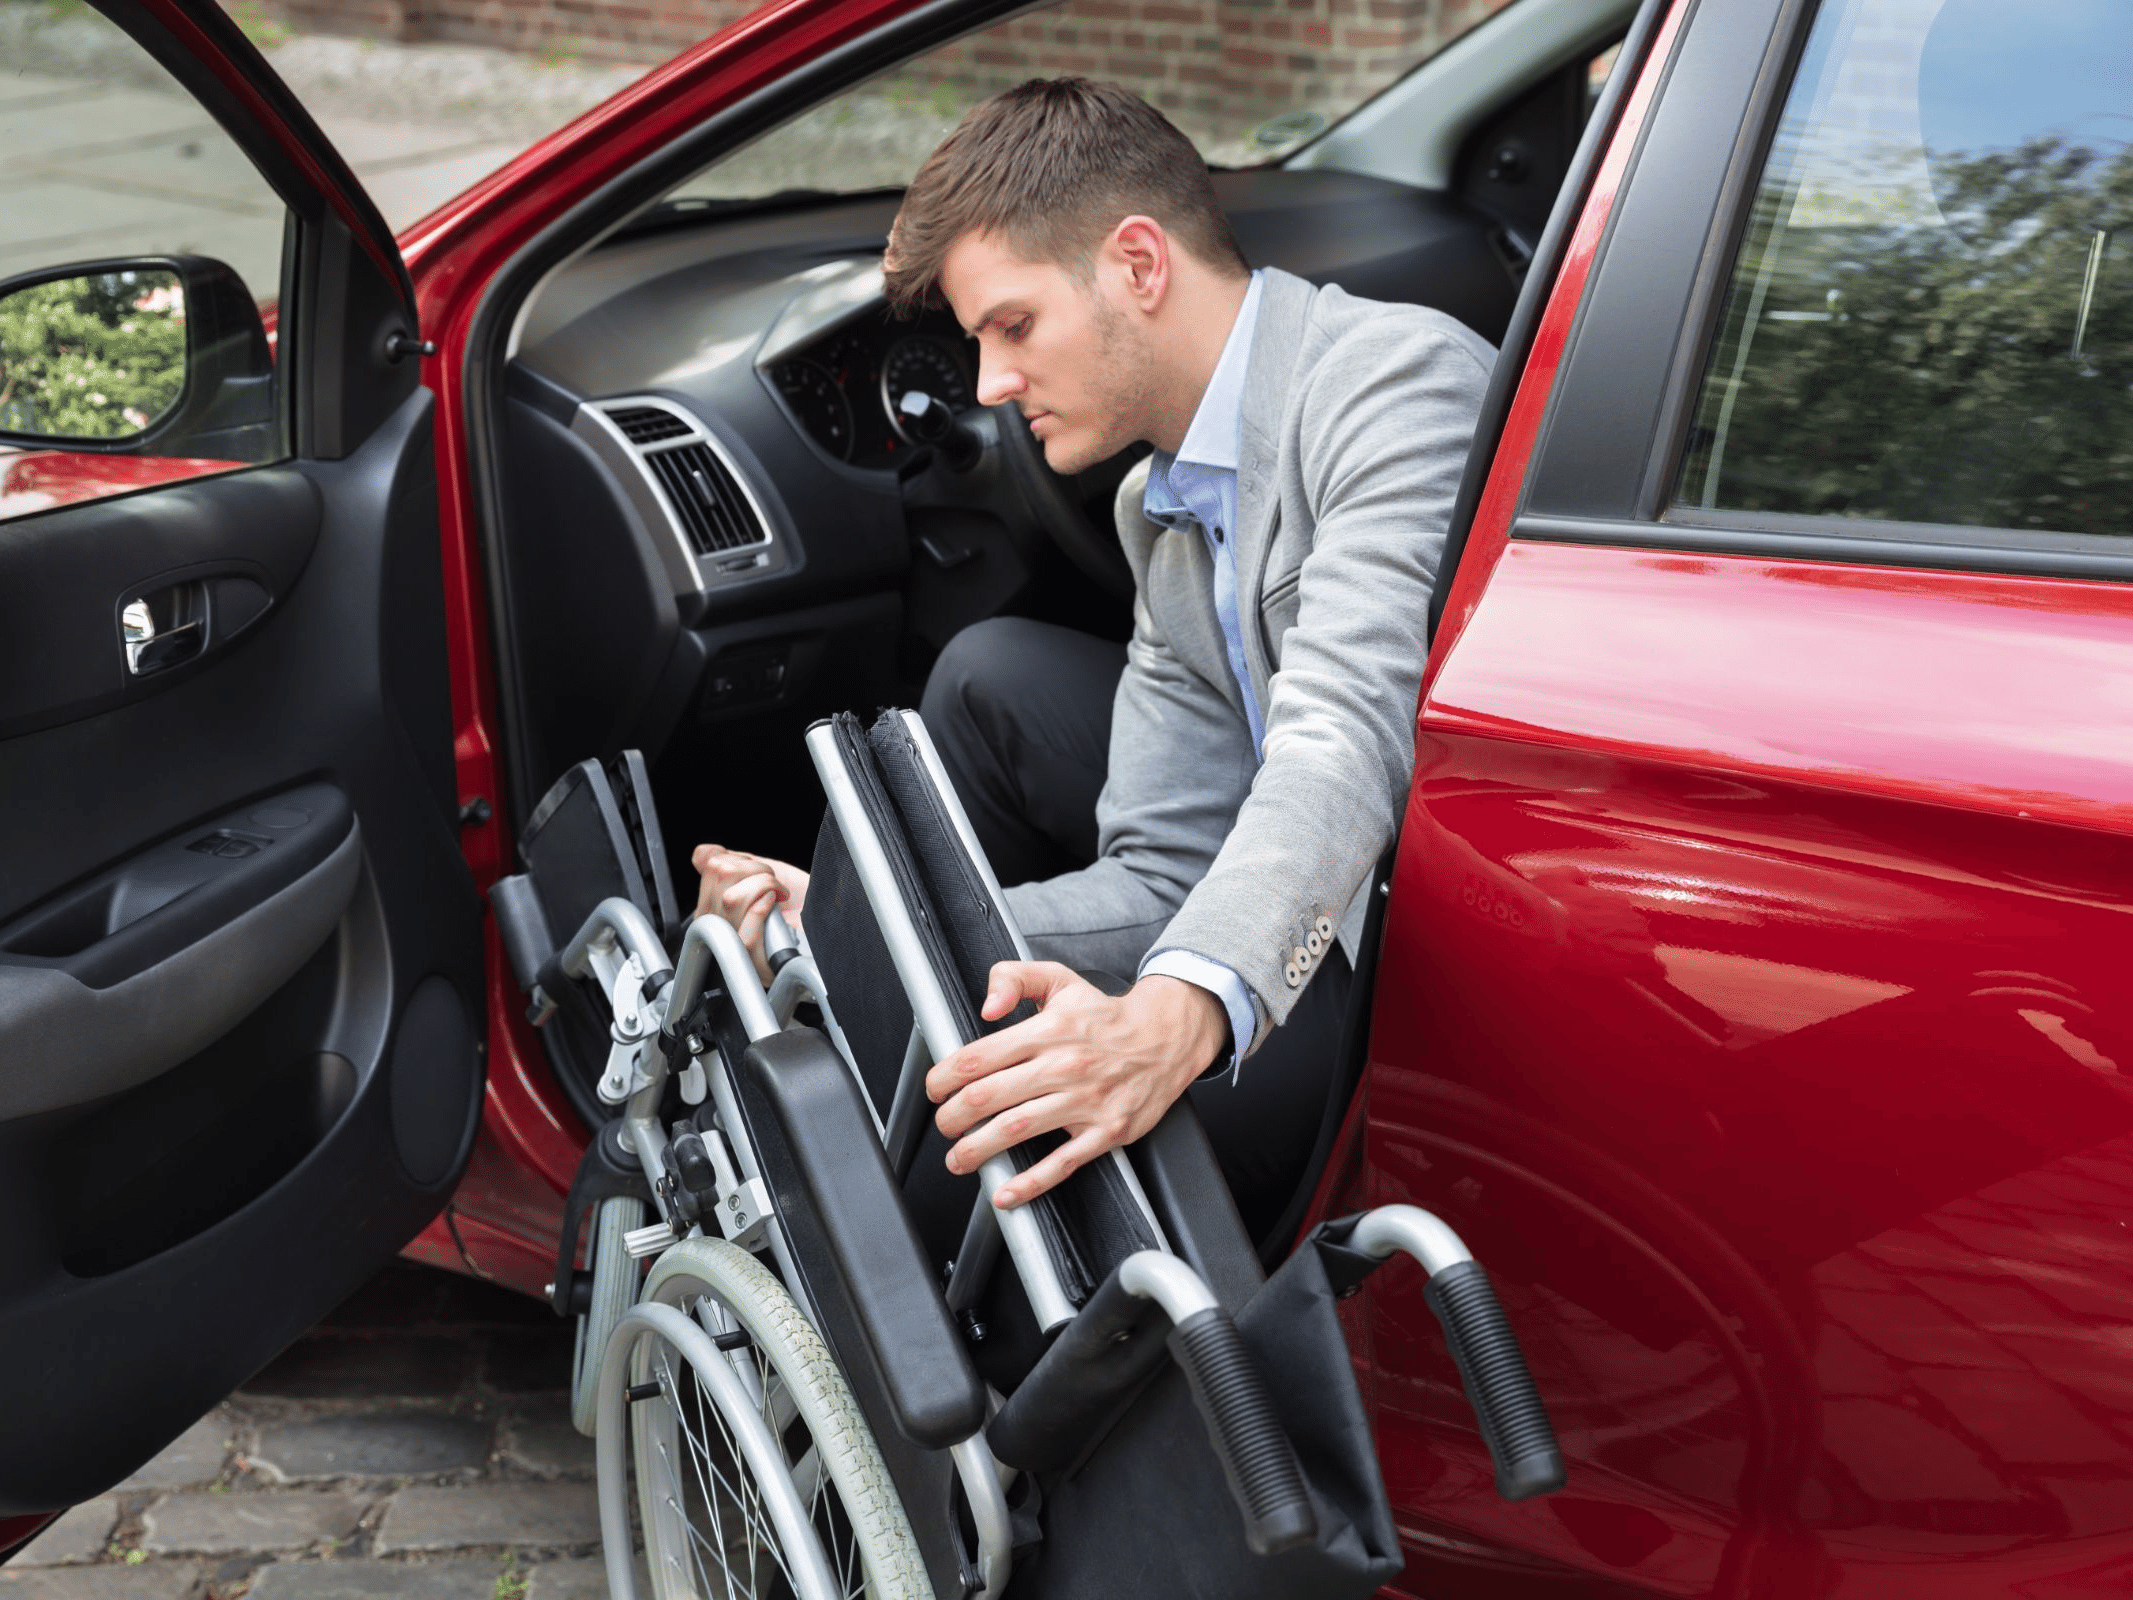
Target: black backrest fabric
1091	1222
969	920
849	953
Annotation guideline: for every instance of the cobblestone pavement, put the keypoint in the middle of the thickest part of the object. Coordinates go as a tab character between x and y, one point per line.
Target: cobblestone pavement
417	1444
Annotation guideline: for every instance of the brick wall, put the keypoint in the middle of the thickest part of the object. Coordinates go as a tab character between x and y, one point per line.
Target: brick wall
647	31
1232	61
1207	59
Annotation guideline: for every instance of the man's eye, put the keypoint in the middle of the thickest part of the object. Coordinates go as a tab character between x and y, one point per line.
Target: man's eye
1015	331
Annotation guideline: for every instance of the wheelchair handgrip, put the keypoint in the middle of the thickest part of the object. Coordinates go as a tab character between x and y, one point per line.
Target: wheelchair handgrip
1514	1423
1249	1440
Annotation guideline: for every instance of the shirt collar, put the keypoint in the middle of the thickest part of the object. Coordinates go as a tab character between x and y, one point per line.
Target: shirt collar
1211	441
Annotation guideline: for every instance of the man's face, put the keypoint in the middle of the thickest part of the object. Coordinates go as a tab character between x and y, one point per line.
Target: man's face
1056	346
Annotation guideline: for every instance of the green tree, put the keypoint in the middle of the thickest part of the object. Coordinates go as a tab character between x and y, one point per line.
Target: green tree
94	357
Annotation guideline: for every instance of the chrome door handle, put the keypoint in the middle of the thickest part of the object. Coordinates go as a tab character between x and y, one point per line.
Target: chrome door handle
165	629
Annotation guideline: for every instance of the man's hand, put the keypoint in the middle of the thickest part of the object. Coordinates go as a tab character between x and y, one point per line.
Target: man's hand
742	889
1103	1069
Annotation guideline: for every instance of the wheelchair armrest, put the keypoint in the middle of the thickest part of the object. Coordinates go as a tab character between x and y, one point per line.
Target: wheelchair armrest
826	1153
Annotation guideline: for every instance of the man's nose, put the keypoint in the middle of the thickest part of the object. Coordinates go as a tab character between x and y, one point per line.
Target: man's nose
997	384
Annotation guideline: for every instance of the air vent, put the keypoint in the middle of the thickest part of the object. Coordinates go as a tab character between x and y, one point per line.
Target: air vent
716	515
643	424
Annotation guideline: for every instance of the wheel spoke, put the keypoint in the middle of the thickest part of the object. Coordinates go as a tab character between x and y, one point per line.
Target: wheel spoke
710	1479
707	1514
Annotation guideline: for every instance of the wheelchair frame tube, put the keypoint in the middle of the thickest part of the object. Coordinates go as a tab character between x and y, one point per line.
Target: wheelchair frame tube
980	1475
930	758
929	1008
1395	1228
713	939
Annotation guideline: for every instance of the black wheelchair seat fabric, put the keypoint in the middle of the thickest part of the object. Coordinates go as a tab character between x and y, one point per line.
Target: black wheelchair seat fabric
1091	1222
1146	1513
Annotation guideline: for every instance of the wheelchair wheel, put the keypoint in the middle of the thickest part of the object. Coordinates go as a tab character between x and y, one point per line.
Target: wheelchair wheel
614	1289
706	1449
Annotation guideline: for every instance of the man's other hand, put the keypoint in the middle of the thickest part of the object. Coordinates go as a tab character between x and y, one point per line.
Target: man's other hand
742	888
1103	1069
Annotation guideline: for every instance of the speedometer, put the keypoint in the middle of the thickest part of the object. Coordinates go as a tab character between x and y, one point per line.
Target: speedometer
928	365
816	400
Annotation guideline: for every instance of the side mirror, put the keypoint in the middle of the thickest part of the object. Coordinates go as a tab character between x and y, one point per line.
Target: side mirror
159	356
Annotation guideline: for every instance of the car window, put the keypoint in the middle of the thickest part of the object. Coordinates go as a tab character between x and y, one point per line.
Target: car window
137	246
1246	81
1931	318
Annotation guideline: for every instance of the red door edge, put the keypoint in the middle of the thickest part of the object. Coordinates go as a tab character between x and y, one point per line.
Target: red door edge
209	37
503	1219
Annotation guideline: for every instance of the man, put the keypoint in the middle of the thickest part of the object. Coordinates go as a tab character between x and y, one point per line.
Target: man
1202	807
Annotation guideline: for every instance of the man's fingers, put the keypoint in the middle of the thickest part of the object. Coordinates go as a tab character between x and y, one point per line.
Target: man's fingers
1053	1170
740	896
981	1058
1009	1129
751	930
1012	982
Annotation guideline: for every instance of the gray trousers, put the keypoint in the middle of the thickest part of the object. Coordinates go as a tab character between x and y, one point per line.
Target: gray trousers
1021	713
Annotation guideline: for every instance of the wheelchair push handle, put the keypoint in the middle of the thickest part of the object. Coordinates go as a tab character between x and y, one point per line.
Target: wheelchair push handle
1514	1423
1257	1459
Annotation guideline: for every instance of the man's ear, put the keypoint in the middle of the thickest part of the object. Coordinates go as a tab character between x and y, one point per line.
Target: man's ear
1140	250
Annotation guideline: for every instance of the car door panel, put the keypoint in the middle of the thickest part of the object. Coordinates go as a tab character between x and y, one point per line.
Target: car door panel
125	976
1752	995
230	1086
1806	1169
73	572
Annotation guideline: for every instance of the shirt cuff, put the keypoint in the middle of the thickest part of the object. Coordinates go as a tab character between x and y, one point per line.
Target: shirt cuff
1224	985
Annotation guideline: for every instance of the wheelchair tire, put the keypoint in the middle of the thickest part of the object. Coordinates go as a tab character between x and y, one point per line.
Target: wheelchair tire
614	1291
705	1530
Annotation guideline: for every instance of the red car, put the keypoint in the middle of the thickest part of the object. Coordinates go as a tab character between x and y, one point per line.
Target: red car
1752	986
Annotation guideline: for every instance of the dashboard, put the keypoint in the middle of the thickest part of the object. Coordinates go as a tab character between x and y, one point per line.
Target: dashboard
846	389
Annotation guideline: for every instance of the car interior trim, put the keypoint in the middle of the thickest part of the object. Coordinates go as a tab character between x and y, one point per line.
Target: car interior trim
2017	551
1462	85
838	292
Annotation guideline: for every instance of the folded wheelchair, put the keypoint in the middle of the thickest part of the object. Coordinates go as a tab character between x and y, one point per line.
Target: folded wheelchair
817	1364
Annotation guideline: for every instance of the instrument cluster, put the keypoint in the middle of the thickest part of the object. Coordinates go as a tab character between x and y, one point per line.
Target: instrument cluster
845	390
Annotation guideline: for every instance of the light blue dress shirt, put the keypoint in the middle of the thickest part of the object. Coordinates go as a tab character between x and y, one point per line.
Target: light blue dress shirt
1198	488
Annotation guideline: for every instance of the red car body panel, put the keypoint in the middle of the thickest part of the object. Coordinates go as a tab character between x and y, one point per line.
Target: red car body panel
1744	1003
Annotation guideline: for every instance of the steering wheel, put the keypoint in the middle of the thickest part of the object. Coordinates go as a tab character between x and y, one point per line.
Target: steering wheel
1074	511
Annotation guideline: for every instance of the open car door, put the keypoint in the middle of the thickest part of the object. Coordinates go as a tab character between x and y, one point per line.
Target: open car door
240	952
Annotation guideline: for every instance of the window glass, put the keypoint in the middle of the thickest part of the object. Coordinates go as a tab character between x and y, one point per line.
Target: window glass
1931	319
120	367
1245	80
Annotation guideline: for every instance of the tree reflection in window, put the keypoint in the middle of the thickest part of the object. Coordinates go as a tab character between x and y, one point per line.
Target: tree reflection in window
1923	332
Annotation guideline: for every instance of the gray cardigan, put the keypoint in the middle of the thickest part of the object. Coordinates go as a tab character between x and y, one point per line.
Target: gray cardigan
1357	418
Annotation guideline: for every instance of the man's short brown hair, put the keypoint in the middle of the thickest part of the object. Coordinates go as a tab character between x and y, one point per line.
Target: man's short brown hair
1052	166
